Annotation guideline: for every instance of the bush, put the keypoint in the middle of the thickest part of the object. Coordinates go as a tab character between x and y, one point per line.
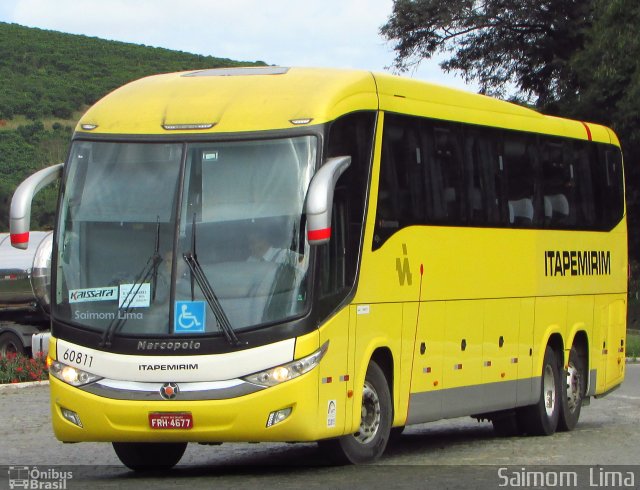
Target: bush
19	368
633	344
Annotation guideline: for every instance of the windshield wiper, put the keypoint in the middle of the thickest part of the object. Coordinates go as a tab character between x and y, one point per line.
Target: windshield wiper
198	274
156	263
150	270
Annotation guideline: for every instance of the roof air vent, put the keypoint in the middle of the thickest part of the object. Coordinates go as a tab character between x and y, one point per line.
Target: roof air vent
239	72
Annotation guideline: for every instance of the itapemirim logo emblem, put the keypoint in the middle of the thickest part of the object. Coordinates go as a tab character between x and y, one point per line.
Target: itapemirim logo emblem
169	391
403	268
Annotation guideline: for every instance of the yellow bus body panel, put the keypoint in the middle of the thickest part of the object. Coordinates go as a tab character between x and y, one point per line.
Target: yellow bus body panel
414	97
231	103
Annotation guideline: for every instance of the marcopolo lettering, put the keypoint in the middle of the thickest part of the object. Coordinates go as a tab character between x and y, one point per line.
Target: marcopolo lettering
167	367
168	345
577	263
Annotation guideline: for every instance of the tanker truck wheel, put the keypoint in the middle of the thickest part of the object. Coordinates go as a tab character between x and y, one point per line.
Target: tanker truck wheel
10	344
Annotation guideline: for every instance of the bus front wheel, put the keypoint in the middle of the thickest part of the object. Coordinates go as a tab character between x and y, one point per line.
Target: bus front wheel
542	418
149	456
370	441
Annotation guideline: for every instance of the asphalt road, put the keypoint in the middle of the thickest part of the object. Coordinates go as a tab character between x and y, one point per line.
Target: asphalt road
458	453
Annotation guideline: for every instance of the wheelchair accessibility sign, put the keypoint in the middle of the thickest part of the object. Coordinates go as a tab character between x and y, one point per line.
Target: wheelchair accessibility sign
189	317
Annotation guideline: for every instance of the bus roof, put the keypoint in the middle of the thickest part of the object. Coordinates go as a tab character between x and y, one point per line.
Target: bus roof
230	100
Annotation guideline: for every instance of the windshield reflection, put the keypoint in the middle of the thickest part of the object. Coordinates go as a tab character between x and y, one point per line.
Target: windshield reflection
241	207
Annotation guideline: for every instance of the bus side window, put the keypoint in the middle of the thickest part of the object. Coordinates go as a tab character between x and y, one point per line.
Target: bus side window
609	193
401	200
584	184
482	178
558	183
350	135
520	179
447	162
389	200
333	272
474	181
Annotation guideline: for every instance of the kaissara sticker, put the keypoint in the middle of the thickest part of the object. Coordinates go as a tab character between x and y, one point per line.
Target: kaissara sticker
93	294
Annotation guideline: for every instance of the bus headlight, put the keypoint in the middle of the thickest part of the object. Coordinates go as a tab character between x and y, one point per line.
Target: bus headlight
71	375
291	370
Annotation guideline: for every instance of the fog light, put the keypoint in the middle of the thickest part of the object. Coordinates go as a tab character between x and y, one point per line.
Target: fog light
71	416
278	416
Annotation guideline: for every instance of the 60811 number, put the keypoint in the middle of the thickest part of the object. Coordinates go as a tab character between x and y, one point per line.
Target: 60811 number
76	357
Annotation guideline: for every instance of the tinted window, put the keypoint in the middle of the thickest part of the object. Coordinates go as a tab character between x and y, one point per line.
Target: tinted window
351	135
442	173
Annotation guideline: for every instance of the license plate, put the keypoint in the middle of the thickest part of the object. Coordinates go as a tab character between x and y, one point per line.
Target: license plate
174	420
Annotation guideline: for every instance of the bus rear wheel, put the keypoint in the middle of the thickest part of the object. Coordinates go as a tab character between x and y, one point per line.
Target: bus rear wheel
370	441
149	456
572	392
542	418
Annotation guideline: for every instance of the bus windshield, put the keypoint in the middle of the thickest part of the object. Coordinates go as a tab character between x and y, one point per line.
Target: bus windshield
133	213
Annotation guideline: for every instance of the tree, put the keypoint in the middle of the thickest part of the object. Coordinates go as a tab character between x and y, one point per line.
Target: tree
575	58
608	70
498	43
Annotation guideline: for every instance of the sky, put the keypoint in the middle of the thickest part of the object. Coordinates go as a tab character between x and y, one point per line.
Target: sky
322	33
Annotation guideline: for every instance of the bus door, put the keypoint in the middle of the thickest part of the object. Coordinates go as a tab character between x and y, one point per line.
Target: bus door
608	350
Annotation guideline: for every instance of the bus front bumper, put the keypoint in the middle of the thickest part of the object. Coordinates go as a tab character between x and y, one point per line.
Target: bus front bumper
245	418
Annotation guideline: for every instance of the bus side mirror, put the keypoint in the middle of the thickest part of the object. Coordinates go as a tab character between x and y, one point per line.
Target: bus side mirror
20	214
320	199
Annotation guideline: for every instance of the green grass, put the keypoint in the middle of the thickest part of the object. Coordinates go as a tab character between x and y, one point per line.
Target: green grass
48	122
633	344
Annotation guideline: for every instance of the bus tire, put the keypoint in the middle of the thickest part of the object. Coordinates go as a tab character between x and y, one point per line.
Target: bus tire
542	418
572	391
11	344
371	439
149	456
396	433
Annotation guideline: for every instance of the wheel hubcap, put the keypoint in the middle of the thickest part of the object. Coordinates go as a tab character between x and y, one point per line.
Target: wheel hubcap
573	387
370	421
9	349
549	391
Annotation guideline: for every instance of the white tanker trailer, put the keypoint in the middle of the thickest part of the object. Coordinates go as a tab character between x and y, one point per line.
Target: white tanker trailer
25	277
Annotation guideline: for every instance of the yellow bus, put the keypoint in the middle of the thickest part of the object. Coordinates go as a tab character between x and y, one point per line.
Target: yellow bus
285	254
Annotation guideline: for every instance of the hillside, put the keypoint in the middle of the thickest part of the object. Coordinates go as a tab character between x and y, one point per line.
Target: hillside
47	79
46	73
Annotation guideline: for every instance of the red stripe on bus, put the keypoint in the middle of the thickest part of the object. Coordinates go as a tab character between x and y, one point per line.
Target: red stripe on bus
319	234
586	126
17	238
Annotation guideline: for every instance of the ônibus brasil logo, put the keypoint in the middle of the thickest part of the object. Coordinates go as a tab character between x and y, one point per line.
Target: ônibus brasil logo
34	477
